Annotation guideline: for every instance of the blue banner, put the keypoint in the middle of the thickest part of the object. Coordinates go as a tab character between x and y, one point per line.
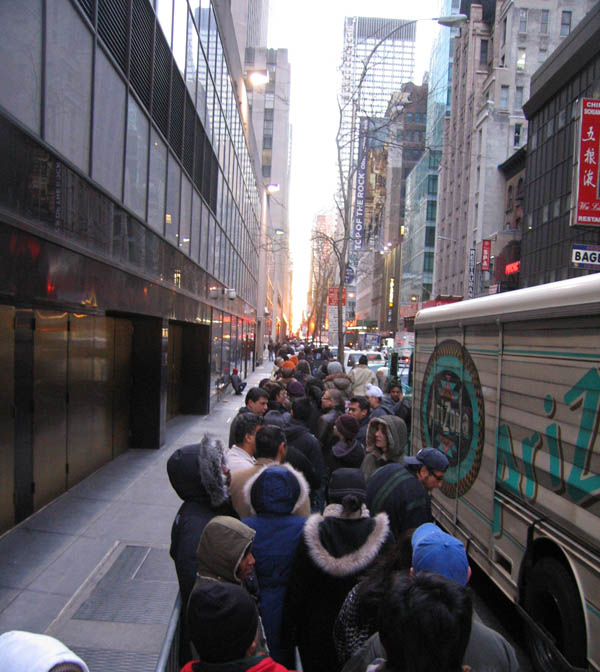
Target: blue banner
361	180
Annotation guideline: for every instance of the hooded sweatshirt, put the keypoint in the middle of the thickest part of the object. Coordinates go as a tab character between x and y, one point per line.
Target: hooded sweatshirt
273	495
396	443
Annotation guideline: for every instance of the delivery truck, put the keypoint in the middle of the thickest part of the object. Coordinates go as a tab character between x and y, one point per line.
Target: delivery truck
508	388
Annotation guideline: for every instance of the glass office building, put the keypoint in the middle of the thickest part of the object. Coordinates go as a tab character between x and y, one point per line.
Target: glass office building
129	224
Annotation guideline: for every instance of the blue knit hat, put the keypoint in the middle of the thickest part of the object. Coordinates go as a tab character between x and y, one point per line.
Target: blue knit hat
436	551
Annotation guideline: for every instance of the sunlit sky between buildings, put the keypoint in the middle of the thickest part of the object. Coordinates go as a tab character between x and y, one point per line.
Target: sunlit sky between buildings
312	31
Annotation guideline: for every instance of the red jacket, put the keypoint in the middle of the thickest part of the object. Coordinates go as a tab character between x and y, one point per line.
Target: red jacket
260	663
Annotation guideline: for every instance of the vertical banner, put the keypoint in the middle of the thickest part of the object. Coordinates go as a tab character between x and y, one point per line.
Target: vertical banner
486	246
361	179
471	291
587	206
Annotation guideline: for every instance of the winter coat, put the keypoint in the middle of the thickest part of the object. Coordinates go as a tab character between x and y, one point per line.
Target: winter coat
360	376
397	491
396	444
344	455
205	496
333	552
341	382
325	428
272	494
241	477
260	663
299	436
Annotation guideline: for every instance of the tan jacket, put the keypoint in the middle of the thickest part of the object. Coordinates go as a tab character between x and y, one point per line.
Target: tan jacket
361	375
238	481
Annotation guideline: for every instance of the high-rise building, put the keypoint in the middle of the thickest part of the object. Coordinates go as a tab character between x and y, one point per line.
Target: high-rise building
130	213
251	22
494	57
378	57
269	106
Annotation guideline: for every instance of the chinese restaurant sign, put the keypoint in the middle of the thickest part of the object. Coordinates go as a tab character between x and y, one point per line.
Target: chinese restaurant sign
587	207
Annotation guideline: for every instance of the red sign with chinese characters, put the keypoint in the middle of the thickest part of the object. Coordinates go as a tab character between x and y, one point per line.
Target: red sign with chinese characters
486	246
512	268
587	210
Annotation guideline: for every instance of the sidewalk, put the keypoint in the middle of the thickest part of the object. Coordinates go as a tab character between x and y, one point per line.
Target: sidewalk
92	568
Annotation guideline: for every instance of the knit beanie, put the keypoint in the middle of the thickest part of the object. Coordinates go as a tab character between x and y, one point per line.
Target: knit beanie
222	621
295	389
346	481
347	426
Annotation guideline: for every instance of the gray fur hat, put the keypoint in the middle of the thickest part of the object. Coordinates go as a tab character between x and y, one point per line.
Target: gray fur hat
196	471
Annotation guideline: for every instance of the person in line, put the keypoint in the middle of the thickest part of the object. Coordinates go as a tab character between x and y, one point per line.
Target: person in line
299	437
278	405
403	491
347	451
22	651
255	402
361	376
236	382
332	405
271	449
357	619
334	550
424	625
224	623
336	379
273	495
360	409
241	454
375	397
433	550
199	475
386	443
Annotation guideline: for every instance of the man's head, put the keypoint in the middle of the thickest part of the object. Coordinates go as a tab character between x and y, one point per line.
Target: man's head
301	409
359	408
435	551
244	569
363	360
270	443
425	623
245	430
429	466
346	427
374	395
222	621
396	392
332	399
257	400
278	394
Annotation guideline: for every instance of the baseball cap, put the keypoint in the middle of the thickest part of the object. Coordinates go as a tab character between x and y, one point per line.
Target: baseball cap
374	391
436	551
429	457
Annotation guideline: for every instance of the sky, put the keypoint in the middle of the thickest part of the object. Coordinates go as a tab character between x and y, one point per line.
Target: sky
312	31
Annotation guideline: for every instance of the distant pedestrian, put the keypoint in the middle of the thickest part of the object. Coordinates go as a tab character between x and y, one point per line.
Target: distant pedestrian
375	397
361	376
236	382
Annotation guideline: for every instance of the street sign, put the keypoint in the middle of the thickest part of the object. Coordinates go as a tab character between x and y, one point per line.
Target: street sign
332	296
586	256
587	205
471	290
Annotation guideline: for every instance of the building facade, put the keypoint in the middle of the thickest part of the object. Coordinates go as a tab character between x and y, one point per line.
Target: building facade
570	74
494	58
130	211
269	107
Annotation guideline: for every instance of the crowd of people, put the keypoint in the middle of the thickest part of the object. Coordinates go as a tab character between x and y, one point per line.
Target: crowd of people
312	533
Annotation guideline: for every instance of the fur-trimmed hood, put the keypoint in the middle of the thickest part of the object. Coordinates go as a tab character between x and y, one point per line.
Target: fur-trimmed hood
276	489
396	437
196	472
342	546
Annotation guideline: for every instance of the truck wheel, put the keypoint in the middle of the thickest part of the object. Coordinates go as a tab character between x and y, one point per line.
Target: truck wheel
552	600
